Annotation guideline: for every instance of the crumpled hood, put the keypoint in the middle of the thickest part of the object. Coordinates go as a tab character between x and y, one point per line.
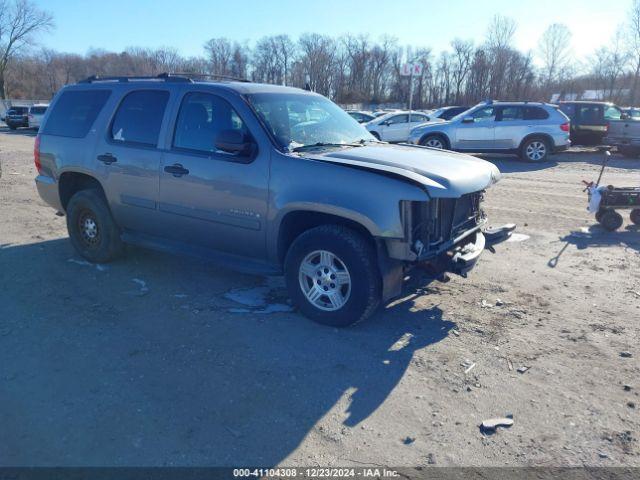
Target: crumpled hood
442	173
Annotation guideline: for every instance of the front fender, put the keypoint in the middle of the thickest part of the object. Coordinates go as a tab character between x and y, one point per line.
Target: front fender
368	198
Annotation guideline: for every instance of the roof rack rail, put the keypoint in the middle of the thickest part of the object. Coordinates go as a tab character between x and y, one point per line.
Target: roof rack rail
166	77
211	75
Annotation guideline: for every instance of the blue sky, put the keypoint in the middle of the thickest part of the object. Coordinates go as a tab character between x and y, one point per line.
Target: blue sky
116	24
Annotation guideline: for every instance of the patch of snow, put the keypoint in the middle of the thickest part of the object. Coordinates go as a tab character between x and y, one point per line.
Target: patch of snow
250	297
84	263
518	237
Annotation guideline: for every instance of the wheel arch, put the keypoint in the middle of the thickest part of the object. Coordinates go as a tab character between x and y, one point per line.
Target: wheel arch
545	136
71	182
294	223
440	134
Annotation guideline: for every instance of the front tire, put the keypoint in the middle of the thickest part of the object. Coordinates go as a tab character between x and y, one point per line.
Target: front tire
433	141
535	150
92	230
332	275
635	216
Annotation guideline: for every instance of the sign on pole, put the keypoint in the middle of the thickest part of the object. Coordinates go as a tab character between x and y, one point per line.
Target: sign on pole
411	69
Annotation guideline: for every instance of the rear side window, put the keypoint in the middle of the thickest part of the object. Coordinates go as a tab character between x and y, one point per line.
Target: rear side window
139	117
568	109
590	114
510	113
535	113
38	110
74	113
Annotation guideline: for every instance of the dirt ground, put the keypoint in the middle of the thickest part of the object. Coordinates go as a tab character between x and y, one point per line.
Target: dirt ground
151	361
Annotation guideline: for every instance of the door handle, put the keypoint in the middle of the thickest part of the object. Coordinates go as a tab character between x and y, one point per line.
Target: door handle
176	170
107	158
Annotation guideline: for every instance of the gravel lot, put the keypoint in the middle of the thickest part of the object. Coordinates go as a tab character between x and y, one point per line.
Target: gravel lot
150	361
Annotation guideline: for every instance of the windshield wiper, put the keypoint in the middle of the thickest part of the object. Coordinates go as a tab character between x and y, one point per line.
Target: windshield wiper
324	144
359	143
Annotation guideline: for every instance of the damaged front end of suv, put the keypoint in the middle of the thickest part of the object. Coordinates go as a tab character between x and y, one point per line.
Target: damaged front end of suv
446	234
447	230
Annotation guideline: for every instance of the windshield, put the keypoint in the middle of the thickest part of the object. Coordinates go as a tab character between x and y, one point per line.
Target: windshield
468	113
300	120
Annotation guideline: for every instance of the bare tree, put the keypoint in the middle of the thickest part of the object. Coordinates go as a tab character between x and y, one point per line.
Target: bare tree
609	65
633	46
500	32
461	65
499	39
316	62
20	21
555	51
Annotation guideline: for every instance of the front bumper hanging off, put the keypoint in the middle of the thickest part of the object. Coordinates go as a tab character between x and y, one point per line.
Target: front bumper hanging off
465	257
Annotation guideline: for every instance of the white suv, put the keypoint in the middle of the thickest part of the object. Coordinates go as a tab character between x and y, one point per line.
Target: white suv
36	114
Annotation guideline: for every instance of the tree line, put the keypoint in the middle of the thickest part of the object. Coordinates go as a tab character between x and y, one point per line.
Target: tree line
350	69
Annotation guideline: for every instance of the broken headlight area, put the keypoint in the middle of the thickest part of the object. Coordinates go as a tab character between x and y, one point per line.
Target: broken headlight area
435	226
447	234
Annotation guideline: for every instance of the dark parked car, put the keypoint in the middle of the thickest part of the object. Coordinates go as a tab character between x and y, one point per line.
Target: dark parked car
447	113
632	113
17	117
589	120
360	117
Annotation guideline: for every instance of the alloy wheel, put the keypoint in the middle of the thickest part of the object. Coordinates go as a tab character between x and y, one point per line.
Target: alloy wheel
88	227
434	143
536	150
325	280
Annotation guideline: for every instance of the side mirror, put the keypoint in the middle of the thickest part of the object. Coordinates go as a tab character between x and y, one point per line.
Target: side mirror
234	141
625	116
385	123
468	120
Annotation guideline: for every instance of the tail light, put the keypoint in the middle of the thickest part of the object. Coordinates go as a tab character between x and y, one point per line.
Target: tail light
606	127
36	154
565	127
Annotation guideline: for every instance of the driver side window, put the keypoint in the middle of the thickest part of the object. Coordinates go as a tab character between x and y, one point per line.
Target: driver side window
201	119
485	114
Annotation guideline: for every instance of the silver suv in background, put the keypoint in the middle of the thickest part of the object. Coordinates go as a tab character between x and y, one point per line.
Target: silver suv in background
530	130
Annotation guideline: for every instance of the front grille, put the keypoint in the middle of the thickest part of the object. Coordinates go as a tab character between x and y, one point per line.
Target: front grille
440	221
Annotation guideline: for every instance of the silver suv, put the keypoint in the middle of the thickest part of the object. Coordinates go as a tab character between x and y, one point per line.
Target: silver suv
266	179
530	130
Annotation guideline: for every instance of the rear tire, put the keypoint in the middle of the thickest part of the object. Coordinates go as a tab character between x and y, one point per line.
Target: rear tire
332	275
610	220
535	149
635	216
92	230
